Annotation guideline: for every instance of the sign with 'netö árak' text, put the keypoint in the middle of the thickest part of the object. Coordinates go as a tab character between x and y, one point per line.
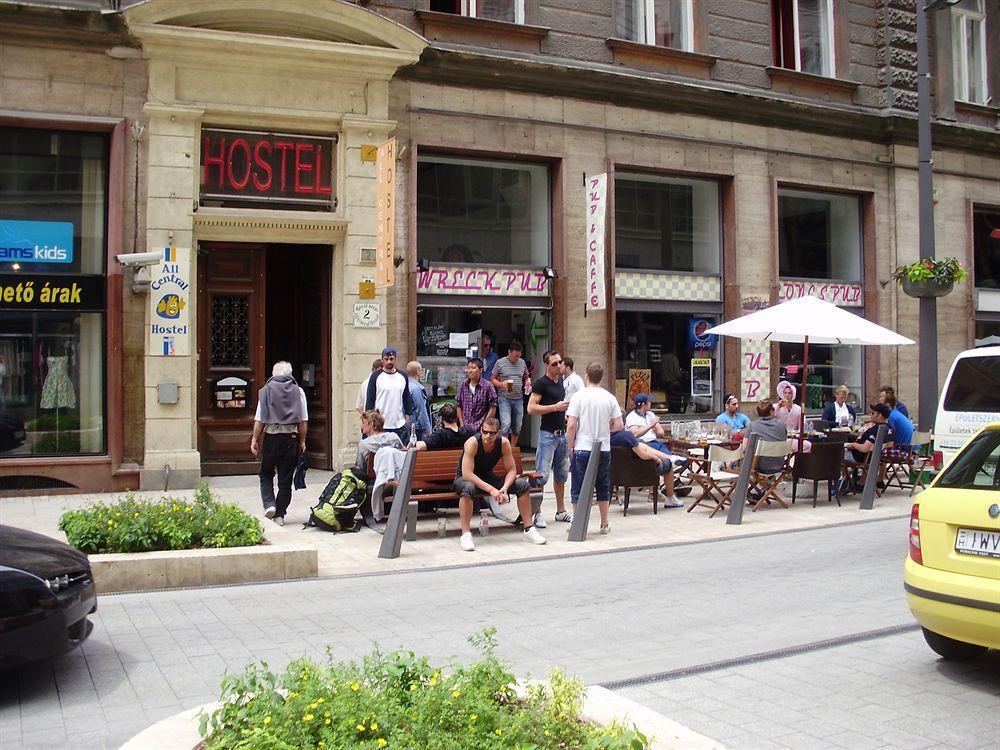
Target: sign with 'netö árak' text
36	241
20	291
266	168
169	295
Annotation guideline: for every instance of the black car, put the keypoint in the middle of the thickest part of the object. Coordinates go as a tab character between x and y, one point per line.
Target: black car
46	595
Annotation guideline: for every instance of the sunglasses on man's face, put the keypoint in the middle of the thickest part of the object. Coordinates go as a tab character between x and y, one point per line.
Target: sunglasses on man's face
489	432
555	363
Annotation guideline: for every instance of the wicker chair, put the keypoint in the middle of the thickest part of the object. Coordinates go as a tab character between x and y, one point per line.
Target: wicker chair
821	464
628	471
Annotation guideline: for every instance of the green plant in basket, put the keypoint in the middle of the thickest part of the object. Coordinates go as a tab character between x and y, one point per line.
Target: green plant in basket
945	271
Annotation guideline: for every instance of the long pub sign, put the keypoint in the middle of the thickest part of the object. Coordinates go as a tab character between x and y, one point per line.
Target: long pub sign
283	170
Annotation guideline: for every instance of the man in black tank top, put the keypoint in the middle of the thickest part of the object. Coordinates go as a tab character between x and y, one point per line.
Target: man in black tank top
477	480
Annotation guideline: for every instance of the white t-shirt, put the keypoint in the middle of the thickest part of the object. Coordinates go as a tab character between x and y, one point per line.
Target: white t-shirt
594	408
572	384
389	398
635	419
362	394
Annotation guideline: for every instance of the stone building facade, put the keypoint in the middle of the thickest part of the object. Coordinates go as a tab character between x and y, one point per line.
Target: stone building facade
755	150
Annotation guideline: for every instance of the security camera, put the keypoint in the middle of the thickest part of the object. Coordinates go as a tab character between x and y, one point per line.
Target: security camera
139	259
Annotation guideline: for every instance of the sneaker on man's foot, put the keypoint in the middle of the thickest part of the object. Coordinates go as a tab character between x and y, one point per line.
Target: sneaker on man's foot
672	502
605	528
280	520
532	535
269	511
540	521
466	541
564	516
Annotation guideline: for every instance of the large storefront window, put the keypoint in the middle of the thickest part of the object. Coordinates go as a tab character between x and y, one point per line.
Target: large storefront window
669	350
830	366
482	212
667	223
53	195
819	235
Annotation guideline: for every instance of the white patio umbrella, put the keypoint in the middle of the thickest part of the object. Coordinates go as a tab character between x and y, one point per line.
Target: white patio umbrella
809	320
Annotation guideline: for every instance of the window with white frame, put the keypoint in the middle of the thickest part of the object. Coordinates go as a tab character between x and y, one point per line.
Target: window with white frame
968	39
802	32
511	11
664	23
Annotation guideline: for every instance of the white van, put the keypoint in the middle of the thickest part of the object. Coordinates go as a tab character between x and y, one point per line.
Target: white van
970	399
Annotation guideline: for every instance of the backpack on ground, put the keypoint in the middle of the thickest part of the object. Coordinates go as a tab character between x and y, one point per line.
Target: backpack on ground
339	502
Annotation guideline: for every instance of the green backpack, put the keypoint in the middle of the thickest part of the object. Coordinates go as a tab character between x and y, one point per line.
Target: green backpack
339	502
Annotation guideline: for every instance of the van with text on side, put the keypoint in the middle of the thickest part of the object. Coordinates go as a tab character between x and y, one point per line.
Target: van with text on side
970	399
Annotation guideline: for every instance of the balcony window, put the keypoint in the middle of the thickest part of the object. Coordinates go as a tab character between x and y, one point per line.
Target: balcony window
819	235
968	38
802	33
667	223
511	11
664	23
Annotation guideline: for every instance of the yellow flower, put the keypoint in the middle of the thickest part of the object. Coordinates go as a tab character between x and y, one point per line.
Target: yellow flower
455	693
360	727
267	720
413	686
498	731
320	700
176	507
327	714
307	717
355	686
327	721
473	717
187	509
313	705
206	522
374	727
381	742
433	681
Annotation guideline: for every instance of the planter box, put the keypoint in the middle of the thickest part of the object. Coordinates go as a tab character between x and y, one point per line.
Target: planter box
927	288
173	569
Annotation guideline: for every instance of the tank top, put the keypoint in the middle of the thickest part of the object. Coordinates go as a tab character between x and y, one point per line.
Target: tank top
484	462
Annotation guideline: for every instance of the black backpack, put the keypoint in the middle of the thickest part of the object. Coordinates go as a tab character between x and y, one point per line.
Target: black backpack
339	502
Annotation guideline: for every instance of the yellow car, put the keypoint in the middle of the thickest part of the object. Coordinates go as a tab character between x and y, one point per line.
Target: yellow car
952	577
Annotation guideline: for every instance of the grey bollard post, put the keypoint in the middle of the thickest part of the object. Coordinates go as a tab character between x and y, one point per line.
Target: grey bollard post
739	497
874	469
411	521
581	513
392	538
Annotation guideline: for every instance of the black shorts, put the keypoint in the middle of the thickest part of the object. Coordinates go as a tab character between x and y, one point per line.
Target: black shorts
520	486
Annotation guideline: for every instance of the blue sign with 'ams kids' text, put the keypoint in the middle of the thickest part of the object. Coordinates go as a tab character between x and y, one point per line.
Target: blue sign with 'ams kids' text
36	241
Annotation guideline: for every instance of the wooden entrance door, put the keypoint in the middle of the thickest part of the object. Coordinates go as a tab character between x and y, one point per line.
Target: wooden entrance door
230	345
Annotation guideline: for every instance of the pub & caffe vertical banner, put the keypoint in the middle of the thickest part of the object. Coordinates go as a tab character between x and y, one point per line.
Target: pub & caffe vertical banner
597	197
385	203
169	304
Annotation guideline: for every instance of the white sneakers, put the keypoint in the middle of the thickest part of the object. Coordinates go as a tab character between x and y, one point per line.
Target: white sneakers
280	520
565	516
672	502
269	511
539	520
467	543
533	536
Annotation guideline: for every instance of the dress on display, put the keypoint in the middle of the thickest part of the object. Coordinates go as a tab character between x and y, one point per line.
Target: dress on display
57	391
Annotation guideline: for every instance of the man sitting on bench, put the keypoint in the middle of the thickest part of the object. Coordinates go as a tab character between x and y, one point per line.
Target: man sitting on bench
449	436
477	480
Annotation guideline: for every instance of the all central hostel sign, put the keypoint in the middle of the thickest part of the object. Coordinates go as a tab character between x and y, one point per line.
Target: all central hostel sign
169	298
281	170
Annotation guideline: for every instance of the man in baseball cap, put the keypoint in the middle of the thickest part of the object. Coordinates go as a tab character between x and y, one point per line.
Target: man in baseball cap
855	453
389	392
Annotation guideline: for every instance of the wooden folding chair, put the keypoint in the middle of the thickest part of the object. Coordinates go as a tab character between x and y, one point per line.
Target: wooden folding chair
767	482
922	459
717	485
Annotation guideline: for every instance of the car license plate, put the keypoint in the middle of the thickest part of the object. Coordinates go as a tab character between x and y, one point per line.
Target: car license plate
978	542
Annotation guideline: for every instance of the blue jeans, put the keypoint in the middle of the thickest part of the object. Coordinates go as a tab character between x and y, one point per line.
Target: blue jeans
603	482
660	446
552	457
403	433
511	415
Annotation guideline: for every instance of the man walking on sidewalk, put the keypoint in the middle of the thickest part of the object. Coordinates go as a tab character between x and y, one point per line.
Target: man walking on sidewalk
548	400
281	421
593	414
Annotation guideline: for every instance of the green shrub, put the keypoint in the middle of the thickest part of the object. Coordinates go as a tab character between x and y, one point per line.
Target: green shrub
400	700
132	525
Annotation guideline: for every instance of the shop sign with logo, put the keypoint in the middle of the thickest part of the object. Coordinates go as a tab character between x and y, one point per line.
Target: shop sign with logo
281	170
36	241
169	304
701	377
842	294
497	282
597	194
20	291
385	214
756	365
698	340
639	381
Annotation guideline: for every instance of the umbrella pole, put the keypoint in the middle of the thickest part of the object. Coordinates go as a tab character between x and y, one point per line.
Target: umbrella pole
805	375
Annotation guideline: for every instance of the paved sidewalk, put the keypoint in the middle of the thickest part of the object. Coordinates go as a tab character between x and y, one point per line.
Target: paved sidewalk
358	553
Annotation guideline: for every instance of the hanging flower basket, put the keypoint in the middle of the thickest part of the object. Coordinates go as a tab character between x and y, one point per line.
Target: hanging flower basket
928	277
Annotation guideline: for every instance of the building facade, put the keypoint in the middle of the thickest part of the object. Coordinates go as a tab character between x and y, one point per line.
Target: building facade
753	152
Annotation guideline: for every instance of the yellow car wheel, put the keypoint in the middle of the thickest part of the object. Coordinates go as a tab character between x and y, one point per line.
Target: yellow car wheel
950	649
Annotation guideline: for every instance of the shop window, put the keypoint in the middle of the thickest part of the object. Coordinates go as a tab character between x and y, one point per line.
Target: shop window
511	11
667	223
664	23
51	383
830	366
52	201
483	212
802	35
819	235
669	347
968	39
987	333
986	247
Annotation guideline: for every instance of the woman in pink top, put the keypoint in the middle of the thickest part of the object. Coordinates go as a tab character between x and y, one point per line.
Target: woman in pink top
790	413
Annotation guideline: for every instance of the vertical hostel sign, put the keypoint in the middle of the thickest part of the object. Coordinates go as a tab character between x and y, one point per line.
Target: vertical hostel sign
597	204
385	203
169	298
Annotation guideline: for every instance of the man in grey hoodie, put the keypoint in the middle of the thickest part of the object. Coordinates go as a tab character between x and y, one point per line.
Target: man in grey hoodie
281	420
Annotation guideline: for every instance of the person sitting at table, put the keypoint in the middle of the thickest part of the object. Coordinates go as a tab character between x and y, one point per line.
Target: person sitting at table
449	435
790	413
732	416
627	439
645	425
839	412
769	427
373	427
855	453
885	393
902	430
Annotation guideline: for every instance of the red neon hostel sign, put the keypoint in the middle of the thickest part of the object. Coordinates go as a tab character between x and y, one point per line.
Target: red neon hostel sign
240	166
